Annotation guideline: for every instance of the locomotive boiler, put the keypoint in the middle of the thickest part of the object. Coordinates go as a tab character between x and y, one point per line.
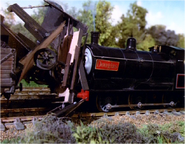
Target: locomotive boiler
138	75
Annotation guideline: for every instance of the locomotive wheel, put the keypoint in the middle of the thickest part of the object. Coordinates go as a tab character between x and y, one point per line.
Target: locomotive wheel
168	99
139	99
102	103
45	59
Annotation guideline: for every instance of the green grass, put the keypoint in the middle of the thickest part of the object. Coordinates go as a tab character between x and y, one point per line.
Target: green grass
55	130
31	84
13	140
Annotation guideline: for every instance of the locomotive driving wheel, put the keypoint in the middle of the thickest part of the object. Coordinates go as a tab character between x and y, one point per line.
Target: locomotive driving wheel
136	100
169	99
45	59
104	103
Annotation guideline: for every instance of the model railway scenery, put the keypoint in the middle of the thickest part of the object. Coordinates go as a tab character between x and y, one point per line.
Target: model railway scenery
77	82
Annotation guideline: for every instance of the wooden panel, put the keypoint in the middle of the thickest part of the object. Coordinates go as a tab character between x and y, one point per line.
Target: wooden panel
76	42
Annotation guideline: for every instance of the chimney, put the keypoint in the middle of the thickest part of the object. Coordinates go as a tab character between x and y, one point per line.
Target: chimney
131	44
94	37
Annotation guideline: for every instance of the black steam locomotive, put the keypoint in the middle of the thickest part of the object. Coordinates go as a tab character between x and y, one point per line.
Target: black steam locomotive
135	78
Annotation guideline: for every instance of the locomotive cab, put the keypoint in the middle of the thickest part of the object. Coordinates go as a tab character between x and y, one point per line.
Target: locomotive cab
175	55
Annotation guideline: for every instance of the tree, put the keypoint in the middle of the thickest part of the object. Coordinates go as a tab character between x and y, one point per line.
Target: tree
181	43
86	17
146	43
132	25
73	12
97	17
103	23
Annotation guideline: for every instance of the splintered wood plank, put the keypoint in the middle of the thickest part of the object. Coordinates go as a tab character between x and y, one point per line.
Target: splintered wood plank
76	44
64	49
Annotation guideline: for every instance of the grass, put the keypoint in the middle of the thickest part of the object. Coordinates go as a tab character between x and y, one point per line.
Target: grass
55	130
31	84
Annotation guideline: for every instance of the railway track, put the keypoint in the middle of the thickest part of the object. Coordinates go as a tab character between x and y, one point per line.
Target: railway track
31	105
29	101
176	111
19	122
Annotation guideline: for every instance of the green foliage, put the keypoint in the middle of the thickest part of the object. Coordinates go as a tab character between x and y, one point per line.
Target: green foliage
132	25
146	43
86	17
181	42
121	133
105	134
103	23
87	134
102	20
49	130
52	129
175	127
14	140
168	133
31	84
